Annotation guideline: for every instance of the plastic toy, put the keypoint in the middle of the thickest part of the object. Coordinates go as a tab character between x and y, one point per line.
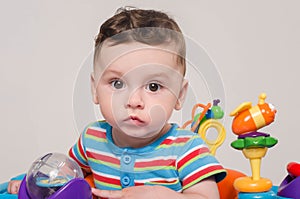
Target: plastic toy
226	188
254	145
208	118
290	186
249	118
54	176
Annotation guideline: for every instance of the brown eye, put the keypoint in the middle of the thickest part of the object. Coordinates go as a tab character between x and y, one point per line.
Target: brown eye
153	87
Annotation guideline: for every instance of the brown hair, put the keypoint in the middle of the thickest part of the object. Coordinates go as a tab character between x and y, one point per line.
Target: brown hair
145	26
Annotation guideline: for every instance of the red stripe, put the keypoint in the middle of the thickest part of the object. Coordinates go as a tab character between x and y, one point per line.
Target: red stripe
176	141
81	151
71	154
164	181
138	183
169	162
96	133
107	179
201	173
192	155
103	158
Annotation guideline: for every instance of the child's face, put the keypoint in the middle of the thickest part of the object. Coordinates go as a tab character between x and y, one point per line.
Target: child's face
137	88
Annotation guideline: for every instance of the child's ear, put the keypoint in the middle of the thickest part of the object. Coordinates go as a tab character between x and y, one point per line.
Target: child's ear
94	89
182	95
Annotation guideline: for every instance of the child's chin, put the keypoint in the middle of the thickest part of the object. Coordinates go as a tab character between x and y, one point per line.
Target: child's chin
140	132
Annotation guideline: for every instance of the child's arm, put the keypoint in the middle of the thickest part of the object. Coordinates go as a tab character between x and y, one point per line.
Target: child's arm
206	189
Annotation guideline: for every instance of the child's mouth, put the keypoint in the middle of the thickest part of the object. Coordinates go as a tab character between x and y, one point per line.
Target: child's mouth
136	120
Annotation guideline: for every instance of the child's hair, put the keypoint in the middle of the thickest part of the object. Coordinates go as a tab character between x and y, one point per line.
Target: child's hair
145	26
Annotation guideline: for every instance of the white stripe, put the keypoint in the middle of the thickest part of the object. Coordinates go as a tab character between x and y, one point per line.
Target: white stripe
172	157
155	179
97	128
107	175
181	136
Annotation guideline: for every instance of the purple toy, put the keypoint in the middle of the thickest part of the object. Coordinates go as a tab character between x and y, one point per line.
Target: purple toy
290	186
54	176
253	134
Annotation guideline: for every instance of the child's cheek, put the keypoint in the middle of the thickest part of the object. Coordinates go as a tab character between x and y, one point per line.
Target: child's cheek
158	116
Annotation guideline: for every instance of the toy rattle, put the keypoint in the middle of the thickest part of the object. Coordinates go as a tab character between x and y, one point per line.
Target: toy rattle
54	176
254	145
208	118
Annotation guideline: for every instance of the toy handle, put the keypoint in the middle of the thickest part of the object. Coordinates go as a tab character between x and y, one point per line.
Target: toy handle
212	144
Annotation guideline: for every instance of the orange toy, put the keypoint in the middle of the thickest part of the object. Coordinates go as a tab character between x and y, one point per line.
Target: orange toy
250	118
90	180
226	188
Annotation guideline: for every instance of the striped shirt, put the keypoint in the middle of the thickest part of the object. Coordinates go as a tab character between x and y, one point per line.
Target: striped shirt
178	160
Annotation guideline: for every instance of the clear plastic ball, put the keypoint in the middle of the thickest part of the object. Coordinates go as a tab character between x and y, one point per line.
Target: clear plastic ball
49	173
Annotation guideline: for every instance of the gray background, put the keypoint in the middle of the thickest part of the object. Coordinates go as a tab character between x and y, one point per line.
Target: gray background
44	48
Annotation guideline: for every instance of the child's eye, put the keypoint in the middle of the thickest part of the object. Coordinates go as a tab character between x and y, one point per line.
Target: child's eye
117	84
153	87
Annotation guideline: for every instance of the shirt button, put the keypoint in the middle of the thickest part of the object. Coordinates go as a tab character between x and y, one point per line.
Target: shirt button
125	181
126	159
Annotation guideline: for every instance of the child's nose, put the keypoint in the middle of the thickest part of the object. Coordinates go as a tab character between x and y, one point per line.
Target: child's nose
135	100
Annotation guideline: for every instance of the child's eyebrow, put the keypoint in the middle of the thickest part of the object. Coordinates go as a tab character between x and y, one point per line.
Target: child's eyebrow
158	75
113	72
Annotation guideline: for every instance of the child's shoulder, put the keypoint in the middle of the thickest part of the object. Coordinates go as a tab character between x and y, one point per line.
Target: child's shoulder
100	126
183	136
185	132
